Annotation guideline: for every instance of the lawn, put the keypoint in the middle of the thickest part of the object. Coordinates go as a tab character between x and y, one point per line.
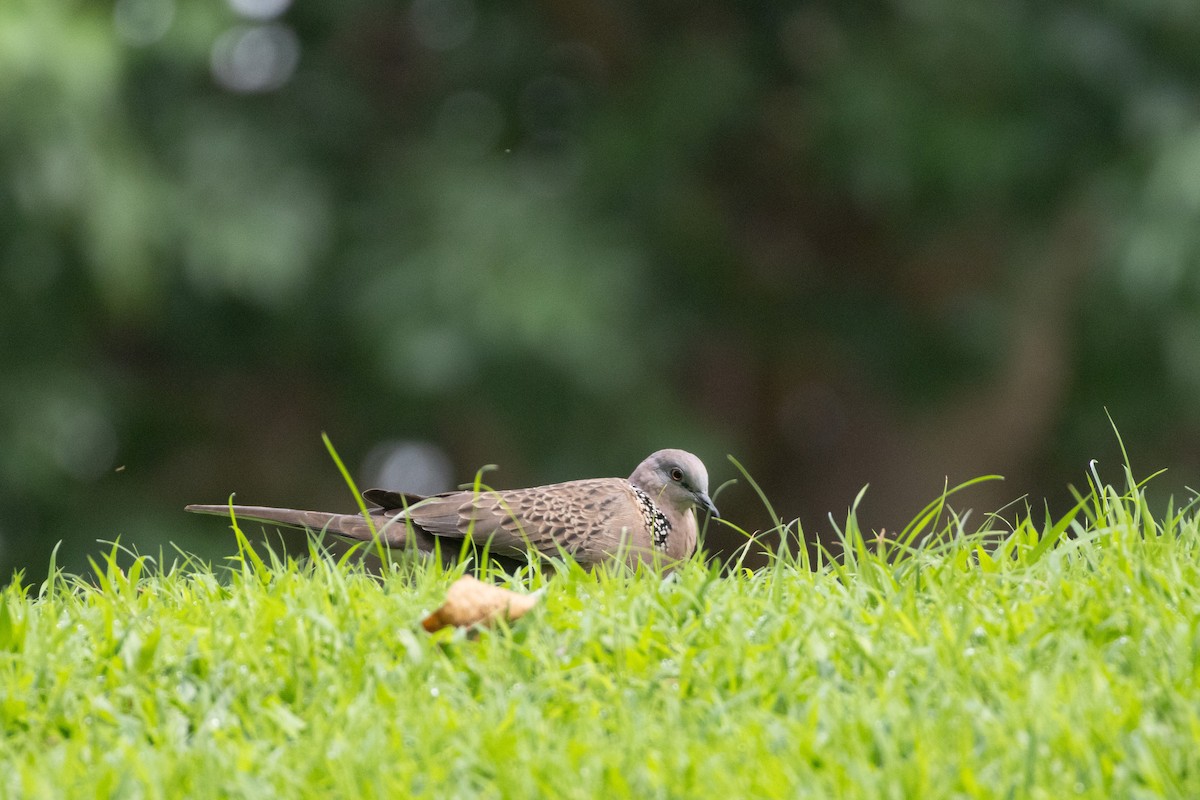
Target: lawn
1035	658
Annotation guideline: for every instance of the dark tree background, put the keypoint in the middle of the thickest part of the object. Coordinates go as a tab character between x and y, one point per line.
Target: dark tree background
847	242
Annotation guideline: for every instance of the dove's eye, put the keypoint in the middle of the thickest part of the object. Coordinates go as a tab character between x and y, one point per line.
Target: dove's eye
676	474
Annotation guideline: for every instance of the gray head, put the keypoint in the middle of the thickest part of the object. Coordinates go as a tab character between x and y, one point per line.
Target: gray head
675	478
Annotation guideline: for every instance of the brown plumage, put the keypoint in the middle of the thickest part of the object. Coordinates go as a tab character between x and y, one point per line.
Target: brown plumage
651	515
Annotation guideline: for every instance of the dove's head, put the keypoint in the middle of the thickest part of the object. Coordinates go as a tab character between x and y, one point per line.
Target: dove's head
675	478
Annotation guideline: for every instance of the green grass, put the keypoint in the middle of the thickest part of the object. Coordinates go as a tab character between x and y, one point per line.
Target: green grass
1056	658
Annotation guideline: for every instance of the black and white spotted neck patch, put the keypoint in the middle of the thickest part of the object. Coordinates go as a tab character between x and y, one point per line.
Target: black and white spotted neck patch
656	520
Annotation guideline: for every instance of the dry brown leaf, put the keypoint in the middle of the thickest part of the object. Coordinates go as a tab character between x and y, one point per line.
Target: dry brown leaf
473	602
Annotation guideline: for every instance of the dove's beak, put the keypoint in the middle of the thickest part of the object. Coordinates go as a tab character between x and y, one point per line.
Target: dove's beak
705	502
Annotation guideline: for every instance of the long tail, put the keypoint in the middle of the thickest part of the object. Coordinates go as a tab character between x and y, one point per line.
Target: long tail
392	532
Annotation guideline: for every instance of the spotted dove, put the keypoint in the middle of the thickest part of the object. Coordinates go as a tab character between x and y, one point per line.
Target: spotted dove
651	515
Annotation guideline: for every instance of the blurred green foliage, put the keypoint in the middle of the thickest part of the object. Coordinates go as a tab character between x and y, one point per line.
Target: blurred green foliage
850	242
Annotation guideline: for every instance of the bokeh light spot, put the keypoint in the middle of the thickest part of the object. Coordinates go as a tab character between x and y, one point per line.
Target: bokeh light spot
142	22
260	9
255	58
84	441
409	466
443	24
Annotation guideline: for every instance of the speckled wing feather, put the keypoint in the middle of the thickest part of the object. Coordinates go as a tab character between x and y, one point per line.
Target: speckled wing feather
589	519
